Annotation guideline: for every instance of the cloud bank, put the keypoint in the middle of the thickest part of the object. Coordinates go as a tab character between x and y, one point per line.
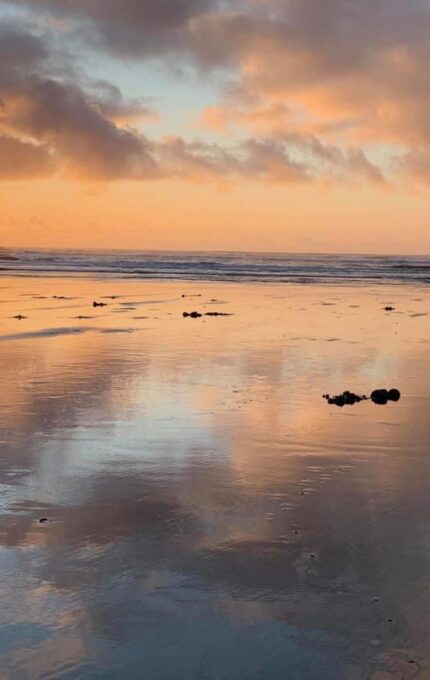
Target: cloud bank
333	91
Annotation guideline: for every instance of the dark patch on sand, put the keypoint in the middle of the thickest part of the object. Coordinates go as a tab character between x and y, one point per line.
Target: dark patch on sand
107	331
218	314
47	333
55	332
347	398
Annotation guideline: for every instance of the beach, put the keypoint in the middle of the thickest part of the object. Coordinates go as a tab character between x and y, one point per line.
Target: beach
205	512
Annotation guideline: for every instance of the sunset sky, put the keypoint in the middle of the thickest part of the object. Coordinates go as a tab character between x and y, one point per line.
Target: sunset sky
273	125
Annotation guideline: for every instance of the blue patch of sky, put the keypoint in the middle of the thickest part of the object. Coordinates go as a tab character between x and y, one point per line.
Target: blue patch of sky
178	95
9	11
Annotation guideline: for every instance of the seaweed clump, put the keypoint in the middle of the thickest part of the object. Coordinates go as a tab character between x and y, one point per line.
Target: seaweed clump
347	398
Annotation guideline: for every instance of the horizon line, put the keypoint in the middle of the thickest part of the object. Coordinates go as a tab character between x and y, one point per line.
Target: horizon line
209	252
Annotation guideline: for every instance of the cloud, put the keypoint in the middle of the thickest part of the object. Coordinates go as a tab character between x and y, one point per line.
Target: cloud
64	118
23	160
84	130
53	126
20	49
313	88
259	160
84	126
133	27
414	164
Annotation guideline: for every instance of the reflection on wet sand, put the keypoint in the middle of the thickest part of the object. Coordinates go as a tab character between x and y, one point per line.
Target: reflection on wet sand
209	515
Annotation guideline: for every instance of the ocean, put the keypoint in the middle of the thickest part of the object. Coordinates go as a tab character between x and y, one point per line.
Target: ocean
229	267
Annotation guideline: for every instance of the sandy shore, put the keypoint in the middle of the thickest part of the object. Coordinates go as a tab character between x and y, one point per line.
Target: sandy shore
209	515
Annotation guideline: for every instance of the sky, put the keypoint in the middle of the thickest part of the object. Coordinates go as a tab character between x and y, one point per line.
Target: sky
269	125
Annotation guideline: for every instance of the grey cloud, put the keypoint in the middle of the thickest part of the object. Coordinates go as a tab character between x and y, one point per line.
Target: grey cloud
134	27
20	49
23	160
63	117
259	160
43	117
164	13
340	35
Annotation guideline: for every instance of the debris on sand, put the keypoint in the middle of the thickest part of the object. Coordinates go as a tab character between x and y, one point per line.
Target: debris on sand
218	314
43	520
197	315
394	394
383	396
192	315
388	308
20	317
99	304
379	397
347	398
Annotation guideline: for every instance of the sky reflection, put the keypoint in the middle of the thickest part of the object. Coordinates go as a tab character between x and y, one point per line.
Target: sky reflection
209	514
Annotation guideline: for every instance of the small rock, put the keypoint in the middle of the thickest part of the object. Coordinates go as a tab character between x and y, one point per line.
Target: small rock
389	308
42	520
394	394
379	397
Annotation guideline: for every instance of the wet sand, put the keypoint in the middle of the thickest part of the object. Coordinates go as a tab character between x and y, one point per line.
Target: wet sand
209	515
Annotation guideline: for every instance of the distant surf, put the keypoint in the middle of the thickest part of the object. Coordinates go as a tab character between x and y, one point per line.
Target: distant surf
238	267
